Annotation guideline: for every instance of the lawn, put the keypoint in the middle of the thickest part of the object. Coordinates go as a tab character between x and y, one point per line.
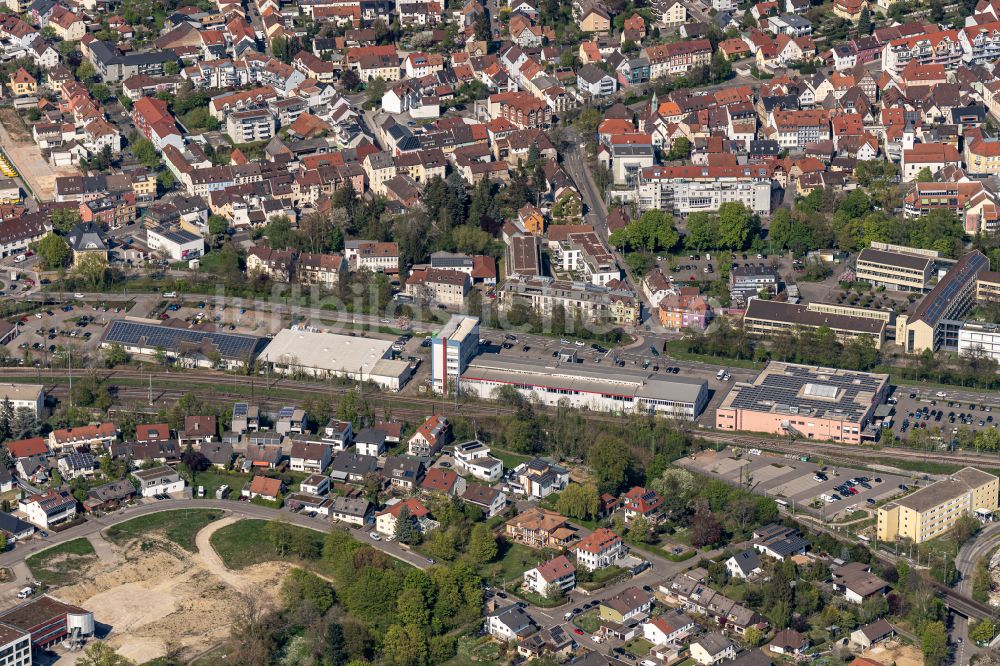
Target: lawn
60	565
179	526
640	647
601	577
213	478
589	621
510	460
474	652
245	543
514	560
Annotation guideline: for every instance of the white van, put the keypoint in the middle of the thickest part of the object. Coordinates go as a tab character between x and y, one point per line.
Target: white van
25	593
720	374
19	258
201	491
170	294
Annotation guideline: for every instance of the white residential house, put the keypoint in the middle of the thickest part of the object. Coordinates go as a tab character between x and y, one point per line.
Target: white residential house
162	480
667	628
713	648
370	442
509	623
354	511
601	548
49	508
745	564
474	457
557	573
309	456
338	434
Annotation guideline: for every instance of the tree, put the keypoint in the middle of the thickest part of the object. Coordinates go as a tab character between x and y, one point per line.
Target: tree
115	354
101	92
865	22
99	653
85	72
54	251
736	225
404	646
705	529
925	175
609	462
579	500
936	12
334	647
653	231
279	535
934	643
350	80
146	152
301	586
64	219
278	232
374	90
171	68
987	440
639	529
680	149
753	636
482	544
983	632
93	268
484	29
406	530
702	231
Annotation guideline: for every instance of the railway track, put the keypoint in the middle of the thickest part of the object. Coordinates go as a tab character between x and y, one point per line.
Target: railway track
208	385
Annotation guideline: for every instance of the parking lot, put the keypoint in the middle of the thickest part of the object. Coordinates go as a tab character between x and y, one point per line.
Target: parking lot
73	326
802	484
945	410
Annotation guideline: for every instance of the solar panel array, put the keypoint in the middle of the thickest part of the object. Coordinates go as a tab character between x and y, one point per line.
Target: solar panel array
941	297
783	389
240	410
286	412
229	345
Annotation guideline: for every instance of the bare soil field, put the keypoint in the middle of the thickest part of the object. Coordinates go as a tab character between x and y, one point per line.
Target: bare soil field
156	598
896	653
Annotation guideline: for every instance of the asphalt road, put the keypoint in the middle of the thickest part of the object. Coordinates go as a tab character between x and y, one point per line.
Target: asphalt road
965	562
21	551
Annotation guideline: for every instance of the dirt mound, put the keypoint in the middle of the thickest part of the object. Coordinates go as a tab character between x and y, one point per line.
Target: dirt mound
157	597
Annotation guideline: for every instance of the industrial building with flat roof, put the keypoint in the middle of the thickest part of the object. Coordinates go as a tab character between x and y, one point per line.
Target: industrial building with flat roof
770	317
321	354
605	390
930	512
896	268
808	401
48	620
937	319
191	345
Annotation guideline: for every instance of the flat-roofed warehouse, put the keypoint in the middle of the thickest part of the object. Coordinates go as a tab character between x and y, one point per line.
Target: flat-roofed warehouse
770	317
604	390
932	511
321	354
895	269
48	620
804	400
198	345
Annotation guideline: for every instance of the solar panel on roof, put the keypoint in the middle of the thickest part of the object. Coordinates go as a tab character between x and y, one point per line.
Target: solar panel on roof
229	345
286	412
240	409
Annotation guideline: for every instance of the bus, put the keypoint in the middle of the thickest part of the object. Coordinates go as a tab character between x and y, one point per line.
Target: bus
781	502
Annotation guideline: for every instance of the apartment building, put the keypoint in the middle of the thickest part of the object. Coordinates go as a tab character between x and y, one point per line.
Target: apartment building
982	156
323	270
931	156
374	256
678	57
896	268
980	43
249	126
689	189
451	350
766	318
437	285
976	206
937	319
807	401
746	282
521	109
582	253
931	48
796	129
931	511
540	528
592	303
24	396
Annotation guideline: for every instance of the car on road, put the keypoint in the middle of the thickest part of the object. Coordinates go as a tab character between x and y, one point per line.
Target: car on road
374	536
941	394
78	295
578	343
578	631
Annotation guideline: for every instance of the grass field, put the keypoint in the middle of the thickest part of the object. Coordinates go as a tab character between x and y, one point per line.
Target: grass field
640	647
62	564
179	526
589	621
213	477
245	543
515	559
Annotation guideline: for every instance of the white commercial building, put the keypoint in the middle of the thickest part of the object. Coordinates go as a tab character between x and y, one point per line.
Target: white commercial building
176	243
607	389
451	350
24	396
690	189
319	354
979	338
